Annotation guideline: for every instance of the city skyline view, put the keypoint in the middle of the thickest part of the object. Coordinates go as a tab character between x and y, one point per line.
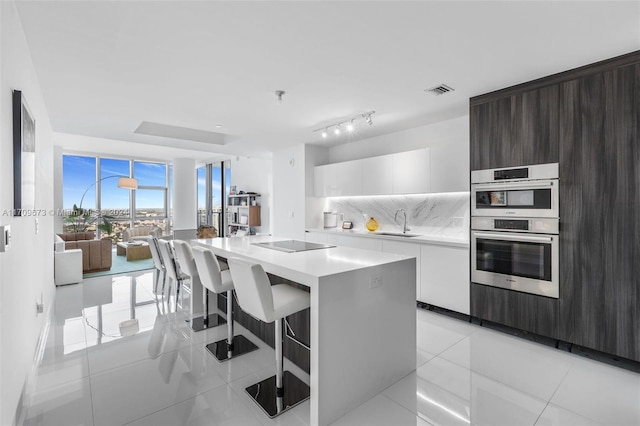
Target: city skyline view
79	177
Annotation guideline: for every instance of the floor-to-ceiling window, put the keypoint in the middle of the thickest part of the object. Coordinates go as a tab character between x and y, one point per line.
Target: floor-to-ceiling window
211	194
95	179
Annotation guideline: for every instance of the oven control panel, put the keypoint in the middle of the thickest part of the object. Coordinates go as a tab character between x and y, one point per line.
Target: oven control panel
535	225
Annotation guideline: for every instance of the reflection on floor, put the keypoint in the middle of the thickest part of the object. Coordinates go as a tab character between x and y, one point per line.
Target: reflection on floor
101	368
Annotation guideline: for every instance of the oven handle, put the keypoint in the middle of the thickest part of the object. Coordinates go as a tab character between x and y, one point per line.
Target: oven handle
540	239
514	185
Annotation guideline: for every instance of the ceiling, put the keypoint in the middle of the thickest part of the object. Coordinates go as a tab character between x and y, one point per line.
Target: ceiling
106	67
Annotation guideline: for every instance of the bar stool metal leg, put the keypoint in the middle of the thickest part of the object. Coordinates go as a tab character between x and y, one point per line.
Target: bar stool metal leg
283	391
206	320
232	346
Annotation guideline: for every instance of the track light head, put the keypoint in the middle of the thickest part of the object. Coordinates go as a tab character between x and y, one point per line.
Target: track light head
350	126
324	133
367	118
279	94
337	130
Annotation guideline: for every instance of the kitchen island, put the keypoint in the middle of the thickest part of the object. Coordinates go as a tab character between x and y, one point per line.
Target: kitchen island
363	317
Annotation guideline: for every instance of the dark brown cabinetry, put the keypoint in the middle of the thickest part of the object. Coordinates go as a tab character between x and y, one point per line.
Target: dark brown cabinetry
587	120
600	187
515	130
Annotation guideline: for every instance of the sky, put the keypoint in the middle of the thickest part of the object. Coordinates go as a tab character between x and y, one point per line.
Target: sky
79	175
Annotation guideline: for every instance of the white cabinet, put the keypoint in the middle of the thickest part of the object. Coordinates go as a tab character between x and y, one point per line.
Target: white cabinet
408	249
445	277
377	175
442	272
316	237
403	173
338	179
411	172
355	242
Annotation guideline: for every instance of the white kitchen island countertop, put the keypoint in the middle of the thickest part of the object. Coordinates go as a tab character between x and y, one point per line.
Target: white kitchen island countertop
363	317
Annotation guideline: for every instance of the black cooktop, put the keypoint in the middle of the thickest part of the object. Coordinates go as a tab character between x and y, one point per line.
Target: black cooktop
292	246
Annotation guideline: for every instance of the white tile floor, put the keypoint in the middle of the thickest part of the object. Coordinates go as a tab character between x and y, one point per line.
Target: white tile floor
91	375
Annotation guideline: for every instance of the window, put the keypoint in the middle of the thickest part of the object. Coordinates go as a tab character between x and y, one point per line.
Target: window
148	205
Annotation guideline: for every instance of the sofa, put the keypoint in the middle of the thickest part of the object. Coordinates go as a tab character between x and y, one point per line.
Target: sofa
96	254
141	233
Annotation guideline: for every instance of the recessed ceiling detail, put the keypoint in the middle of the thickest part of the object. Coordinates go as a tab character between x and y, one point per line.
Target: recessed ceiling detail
177	132
440	90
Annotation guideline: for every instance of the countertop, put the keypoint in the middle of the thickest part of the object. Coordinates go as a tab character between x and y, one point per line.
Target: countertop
305	267
421	239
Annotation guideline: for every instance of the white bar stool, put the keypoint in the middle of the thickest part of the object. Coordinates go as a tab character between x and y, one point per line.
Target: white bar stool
161	275
218	282
184	256
171	269
268	303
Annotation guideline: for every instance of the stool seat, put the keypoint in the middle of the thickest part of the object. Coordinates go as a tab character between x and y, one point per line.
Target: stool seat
288	300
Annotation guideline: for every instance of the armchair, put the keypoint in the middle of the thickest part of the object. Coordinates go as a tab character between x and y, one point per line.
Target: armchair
141	233
96	254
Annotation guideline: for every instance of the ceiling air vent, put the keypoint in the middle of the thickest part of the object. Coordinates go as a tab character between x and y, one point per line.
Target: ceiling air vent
439	90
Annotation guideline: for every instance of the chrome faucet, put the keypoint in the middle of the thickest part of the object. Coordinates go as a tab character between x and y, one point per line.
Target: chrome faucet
404	225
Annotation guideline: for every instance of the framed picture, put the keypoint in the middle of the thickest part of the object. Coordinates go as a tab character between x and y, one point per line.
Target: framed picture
232	190
24	156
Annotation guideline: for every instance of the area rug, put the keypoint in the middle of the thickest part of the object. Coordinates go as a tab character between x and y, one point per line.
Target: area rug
120	265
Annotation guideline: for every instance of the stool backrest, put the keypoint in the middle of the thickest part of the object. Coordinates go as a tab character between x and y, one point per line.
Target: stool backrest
253	288
184	257
155	253
168	259
208	269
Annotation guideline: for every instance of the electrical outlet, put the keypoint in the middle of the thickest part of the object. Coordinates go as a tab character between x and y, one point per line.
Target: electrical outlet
375	281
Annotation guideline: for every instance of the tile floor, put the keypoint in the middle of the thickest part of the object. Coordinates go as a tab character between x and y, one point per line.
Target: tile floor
91	375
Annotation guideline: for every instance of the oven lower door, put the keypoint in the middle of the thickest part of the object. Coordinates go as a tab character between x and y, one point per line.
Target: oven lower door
515	261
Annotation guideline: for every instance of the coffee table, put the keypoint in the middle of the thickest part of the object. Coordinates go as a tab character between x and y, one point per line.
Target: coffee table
134	251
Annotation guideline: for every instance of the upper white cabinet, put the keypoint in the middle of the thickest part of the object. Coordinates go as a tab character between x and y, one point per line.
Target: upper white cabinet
403	173
338	179
411	172
377	175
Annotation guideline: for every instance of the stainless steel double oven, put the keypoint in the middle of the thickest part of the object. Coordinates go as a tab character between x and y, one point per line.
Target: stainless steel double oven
515	228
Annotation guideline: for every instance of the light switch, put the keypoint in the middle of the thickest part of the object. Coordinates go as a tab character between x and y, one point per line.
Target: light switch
5	237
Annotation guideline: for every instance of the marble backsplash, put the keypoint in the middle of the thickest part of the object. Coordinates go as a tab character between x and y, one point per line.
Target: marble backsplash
444	215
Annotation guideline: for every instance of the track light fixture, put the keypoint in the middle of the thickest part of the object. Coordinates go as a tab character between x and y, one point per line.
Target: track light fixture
279	94
349	124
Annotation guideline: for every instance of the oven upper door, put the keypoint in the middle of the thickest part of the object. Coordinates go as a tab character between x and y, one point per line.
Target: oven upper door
524	199
521	262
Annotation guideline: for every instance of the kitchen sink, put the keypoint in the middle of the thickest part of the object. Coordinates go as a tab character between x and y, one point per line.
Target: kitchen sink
397	234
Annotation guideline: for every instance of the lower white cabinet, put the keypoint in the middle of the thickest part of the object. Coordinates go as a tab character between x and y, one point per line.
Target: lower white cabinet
445	277
316	237
407	249
355	242
442	272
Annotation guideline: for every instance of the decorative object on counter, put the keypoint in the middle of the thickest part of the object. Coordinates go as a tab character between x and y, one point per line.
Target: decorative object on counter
207	231
347	225
330	219
372	224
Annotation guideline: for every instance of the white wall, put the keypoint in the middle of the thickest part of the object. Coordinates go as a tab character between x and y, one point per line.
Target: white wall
184	194
256	175
26	270
452	135
289	192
